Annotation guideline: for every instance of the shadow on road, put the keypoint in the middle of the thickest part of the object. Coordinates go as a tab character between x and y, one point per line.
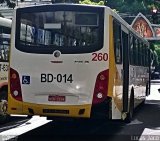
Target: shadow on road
146	116
13	122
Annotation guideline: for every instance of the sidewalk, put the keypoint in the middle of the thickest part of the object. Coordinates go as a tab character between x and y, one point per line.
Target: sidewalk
150	134
155	81
154	93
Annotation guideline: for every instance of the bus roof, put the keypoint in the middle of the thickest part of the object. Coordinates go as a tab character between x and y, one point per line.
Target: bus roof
85	5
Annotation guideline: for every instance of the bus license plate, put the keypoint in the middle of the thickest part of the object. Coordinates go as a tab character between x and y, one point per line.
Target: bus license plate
56	98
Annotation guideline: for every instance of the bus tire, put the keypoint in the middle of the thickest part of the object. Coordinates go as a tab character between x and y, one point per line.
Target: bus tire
3	106
131	108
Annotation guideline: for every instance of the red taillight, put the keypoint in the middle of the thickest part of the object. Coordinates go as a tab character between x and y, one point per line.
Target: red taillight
15	85
101	87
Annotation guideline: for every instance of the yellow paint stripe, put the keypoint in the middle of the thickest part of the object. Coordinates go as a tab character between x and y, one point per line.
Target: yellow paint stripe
114	77
111	58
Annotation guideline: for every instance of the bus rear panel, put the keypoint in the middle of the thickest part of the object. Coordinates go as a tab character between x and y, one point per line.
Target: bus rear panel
61	64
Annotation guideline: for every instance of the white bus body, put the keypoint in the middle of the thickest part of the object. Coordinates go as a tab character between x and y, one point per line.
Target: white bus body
67	68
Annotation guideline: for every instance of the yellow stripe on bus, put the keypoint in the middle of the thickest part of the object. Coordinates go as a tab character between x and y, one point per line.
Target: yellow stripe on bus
114	79
111	58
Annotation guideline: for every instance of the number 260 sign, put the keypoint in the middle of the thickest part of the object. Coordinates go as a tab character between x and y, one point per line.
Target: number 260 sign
99	56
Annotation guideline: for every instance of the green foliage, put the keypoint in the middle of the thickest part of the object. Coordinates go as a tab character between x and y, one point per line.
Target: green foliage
158	54
133	6
129	6
62	1
157	49
89	2
10	3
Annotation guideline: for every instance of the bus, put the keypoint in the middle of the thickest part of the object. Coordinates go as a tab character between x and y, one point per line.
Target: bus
5	31
76	61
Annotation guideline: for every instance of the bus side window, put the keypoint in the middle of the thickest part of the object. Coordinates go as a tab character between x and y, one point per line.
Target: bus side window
4	52
131	49
1	56
135	48
143	54
117	42
146	56
134	51
139	53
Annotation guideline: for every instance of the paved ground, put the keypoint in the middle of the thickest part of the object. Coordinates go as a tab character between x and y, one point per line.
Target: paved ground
154	99
145	126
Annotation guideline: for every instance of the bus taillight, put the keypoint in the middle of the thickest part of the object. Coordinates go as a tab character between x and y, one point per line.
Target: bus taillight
101	87
15	86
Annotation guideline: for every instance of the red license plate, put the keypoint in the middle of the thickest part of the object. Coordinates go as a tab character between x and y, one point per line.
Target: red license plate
56	98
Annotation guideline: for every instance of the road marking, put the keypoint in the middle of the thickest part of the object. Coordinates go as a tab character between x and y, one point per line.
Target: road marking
150	134
31	124
18	115
148	131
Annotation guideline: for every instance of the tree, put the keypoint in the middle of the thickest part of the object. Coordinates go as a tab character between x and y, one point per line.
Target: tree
92	2
155	52
10	3
133	6
63	1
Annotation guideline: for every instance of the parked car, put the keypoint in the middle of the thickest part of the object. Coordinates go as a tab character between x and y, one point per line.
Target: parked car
155	75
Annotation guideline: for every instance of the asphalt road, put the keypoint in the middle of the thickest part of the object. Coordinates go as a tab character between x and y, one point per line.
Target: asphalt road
145	126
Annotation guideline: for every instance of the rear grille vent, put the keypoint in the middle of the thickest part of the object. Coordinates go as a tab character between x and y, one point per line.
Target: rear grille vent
56	111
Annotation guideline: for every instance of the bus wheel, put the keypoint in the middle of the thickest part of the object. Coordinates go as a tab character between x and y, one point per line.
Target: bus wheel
131	108
3	107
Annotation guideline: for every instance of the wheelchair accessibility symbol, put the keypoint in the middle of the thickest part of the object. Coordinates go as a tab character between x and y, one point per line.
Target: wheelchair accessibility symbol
25	79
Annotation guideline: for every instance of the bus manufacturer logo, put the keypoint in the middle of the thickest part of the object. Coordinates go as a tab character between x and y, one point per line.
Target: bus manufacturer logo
57	53
25	79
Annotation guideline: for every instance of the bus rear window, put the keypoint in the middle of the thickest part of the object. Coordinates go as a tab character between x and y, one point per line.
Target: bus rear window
4	47
66	31
85	19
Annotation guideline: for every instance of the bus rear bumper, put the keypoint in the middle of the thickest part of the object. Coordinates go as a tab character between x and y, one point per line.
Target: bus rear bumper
57	110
